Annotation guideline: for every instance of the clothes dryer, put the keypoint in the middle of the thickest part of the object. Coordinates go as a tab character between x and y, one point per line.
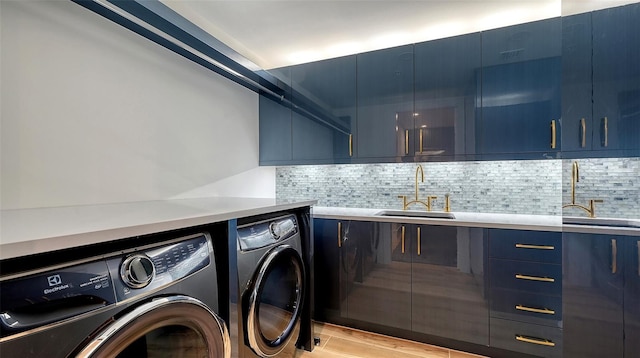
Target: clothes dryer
157	300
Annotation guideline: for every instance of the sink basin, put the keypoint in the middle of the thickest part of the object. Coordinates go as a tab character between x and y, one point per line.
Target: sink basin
571	220
418	214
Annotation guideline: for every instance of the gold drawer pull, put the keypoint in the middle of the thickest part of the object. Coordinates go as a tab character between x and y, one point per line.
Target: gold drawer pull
542	342
535	310
339	234
537	247
535	278
553	134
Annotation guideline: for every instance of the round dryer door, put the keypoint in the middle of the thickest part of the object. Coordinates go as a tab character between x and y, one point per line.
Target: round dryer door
177	326
274	304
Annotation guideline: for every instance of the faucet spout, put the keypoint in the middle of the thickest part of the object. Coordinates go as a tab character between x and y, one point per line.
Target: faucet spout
420	171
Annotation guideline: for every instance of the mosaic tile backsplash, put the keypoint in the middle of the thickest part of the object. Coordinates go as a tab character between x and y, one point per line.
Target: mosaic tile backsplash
538	187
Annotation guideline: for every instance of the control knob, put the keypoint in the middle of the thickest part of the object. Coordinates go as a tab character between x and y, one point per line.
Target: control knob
137	271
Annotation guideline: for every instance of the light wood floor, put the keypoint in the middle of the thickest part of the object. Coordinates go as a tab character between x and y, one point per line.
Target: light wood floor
342	342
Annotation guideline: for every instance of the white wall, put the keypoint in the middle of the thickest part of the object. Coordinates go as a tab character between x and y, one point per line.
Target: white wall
94	113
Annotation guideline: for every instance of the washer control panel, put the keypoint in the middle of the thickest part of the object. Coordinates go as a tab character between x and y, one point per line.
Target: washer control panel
261	234
146	270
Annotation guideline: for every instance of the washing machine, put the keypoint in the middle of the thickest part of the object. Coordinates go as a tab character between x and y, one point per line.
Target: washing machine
156	300
273	281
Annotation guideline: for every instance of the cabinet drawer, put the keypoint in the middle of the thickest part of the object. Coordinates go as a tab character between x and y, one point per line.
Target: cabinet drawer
526	307
539	246
526	276
543	341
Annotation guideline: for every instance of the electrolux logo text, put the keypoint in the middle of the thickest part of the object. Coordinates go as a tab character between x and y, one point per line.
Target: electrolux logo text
55	282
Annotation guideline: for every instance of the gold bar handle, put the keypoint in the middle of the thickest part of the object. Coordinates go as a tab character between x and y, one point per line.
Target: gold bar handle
421	139
406	141
583	131
351	145
605	132
542	342
535	310
614	256
402	238
418	240
638	244
536	247
553	134
534	278
339	234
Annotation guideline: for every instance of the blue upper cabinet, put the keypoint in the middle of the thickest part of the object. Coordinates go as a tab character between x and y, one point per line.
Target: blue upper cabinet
616	80
520	92
385	98
577	119
275	141
445	95
326	90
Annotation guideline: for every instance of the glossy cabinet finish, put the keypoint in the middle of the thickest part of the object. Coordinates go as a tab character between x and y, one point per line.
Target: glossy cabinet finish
526	291
274	131
384	96
445	94
601	295
326	89
448	288
520	99
616	78
601	83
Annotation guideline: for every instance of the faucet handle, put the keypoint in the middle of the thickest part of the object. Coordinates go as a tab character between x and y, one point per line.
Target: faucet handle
592	206
429	199
447	203
404	201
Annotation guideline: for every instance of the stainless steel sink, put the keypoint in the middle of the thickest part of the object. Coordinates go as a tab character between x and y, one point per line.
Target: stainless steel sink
415	213
572	220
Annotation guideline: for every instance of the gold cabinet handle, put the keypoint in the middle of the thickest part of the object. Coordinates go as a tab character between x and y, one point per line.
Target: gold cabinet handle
421	139
402	238
351	145
605	132
553	134
638	244
534	278
339	234
583	132
536	247
535	310
418	240
406	141
614	256
539	341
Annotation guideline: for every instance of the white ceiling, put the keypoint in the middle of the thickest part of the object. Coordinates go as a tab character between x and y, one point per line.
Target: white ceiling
276	33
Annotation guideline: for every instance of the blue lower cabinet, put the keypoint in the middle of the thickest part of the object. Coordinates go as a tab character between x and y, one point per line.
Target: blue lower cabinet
533	339
527	307
526	276
593	296
632	298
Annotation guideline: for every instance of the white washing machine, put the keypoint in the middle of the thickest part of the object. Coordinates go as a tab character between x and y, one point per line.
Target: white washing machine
158	300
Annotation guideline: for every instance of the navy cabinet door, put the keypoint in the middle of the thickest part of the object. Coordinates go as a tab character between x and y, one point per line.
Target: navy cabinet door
326	89
448	284
520	102
445	94
577	119
632	298
274	131
385	93
592	295
616	79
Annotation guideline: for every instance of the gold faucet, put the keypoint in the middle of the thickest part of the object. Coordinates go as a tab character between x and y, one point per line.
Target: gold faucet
575	177
416	200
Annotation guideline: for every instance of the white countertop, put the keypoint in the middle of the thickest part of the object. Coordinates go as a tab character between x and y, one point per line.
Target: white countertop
484	220
31	231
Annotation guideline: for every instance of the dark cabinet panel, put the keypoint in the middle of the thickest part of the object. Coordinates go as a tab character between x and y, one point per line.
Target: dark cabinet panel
385	92
592	295
538	246
616	78
445	94
536	308
537	340
448	297
275	132
326	89
577	118
520	101
632	298
527	276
